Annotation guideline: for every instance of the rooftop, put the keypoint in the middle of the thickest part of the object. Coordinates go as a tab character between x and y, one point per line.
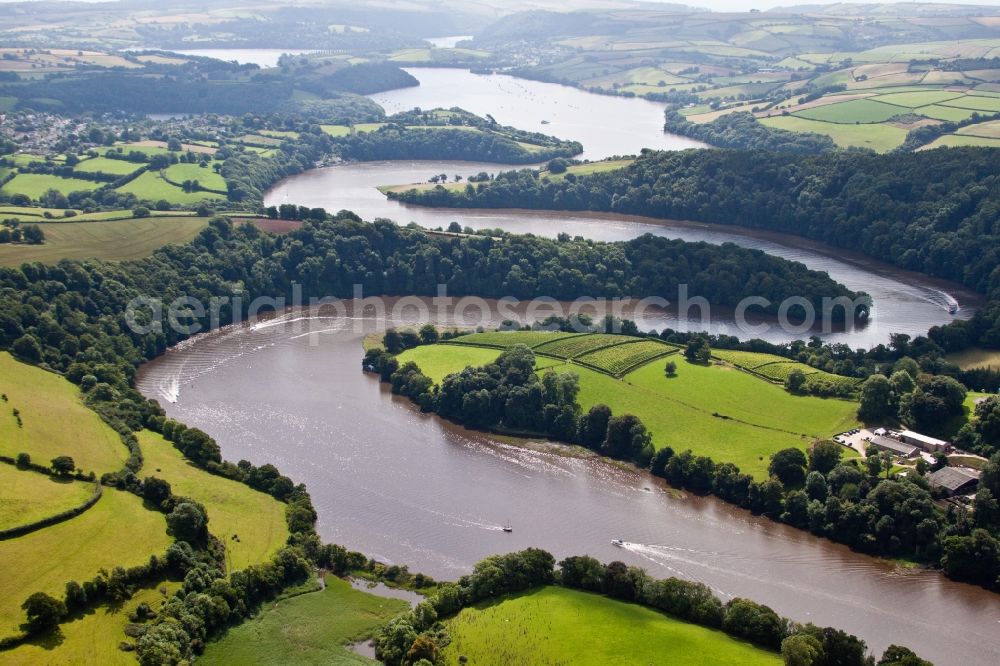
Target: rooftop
926	439
894	445
953	478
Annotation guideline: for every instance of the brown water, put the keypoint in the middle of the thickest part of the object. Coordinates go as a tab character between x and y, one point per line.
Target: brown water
410	488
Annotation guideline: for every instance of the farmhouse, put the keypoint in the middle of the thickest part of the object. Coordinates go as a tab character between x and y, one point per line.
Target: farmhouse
894	447
955	480
929	444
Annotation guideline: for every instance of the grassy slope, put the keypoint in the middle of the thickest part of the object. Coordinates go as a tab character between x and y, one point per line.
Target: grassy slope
150	186
117	531
879	138
307	629
27	496
233	508
35	185
91	638
108	165
559	626
113	240
55	421
205	176
678	411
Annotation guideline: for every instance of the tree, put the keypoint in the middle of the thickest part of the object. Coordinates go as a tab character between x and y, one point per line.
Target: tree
63	465
698	350
628	438
796	380
140	211
428	334
392	341
876	399
670	369
188	522
789	466
32	234
43	612
824	456
801	650
594	426
897	655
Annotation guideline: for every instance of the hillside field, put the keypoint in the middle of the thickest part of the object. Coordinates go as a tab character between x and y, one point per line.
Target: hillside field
684	411
27	496
114	240
555	625
234	509
117	531
312	628
54	420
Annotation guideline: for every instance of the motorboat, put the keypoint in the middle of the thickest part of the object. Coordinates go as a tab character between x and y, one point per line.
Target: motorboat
508	528
617	542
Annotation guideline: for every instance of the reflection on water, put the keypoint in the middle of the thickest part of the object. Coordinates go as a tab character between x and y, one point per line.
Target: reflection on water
406	487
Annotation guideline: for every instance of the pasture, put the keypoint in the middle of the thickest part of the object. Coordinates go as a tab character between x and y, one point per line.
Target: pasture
34	185
117	531
27	496
555	625
250	523
853	111
54	420
311	628
715	410
108	165
91	638
113	240
880	138
206	176
151	186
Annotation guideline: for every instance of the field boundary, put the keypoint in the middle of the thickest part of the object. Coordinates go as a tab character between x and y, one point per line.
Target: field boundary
48	521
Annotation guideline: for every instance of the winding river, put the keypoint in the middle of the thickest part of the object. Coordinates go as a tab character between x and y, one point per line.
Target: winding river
409	488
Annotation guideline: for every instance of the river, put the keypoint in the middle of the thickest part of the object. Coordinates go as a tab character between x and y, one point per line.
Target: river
409	488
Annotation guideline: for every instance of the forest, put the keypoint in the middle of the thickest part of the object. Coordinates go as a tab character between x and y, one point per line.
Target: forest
934	212
741	131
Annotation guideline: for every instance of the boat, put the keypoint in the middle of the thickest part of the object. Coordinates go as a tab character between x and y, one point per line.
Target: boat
953	308
617	542
508	528
545	122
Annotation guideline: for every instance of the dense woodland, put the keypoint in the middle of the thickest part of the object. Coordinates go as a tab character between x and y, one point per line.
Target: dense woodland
860	505
205	85
935	212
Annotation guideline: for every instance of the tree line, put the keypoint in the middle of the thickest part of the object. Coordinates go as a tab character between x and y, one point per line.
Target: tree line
934	212
420	634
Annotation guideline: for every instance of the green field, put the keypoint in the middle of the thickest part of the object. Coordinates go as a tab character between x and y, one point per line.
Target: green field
336	130
116	240
915	98
620	359
961	140
880	138
853	111
151	186
27	496
990	129
205	176
560	626
312	628
686	411
234	509
35	185
577	345
92	638
55	421
107	165
503	340
117	531
940	112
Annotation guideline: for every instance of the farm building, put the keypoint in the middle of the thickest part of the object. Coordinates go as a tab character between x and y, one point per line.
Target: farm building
955	480
929	444
894	447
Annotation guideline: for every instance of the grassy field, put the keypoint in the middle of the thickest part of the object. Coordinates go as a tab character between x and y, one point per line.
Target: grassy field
234	509
27	496
108	165
880	138
308	629
336	130
113	240
686	411
55	421
91	638
117	531
205	176
560	626
961	140
854	111
151	186
436	361
35	185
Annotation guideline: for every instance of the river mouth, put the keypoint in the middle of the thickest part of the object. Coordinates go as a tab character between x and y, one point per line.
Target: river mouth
409	488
